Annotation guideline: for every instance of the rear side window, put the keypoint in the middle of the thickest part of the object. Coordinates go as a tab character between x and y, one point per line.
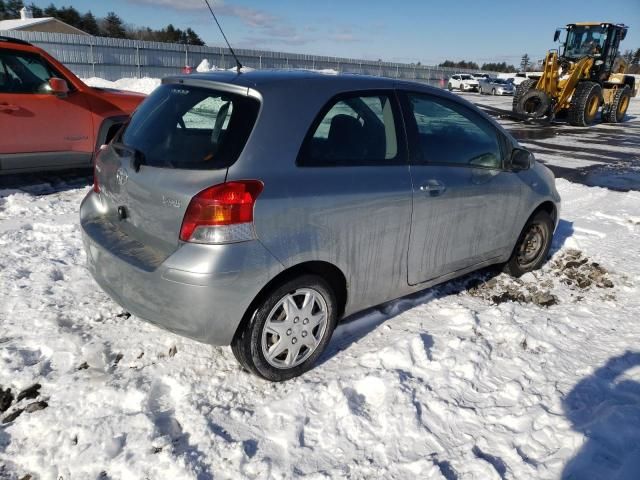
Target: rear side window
450	133
186	127
354	130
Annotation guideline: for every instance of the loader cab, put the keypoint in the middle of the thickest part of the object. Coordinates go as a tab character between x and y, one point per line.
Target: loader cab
598	40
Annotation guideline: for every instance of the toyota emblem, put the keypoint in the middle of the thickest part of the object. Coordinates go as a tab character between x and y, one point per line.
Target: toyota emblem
121	176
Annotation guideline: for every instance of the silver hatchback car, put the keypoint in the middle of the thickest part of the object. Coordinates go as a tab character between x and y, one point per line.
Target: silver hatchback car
257	209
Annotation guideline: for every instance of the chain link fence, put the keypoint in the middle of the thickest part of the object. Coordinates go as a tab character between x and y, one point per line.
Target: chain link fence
114	58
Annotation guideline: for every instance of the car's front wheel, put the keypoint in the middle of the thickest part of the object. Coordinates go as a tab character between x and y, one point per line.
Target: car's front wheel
288	330
533	245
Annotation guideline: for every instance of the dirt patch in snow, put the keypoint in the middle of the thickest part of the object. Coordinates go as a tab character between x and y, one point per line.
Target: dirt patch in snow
571	268
574	269
505	288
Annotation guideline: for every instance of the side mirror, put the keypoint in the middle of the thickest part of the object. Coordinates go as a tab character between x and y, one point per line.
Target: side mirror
521	159
58	87
623	35
556	36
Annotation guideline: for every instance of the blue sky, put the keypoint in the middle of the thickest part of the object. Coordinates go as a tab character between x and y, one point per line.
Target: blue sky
404	31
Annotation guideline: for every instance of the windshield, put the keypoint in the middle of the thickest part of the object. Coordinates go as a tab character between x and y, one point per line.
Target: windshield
466	77
585	40
180	126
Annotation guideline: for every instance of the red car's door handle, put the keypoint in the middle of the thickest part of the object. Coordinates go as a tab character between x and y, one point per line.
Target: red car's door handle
5	107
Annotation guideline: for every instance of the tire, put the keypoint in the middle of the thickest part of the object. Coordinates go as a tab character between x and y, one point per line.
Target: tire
450	87
493	92
539	232
585	103
481	91
617	109
521	89
274	323
534	104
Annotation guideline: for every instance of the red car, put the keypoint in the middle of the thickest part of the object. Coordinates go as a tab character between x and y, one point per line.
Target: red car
49	118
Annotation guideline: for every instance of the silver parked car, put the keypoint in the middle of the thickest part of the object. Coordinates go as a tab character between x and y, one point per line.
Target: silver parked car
496	86
258	209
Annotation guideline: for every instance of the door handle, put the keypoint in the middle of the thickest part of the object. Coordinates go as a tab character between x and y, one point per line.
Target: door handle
5	107
433	188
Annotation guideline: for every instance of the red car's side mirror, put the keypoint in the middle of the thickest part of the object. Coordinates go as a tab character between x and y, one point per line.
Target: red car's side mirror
59	87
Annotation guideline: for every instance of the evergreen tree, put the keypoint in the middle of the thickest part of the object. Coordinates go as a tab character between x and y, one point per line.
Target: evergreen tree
51	11
194	39
499	67
113	26
89	24
36	11
12	9
70	16
526	61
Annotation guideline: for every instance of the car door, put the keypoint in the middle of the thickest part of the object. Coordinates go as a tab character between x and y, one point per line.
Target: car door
348	200
464	201
39	128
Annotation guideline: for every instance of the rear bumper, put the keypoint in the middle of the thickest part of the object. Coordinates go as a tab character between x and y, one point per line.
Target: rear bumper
205	302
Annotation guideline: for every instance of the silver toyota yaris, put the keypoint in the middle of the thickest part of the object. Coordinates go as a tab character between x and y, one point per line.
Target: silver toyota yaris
257	209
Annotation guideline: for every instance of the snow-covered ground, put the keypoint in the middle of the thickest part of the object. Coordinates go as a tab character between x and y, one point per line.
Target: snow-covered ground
482	378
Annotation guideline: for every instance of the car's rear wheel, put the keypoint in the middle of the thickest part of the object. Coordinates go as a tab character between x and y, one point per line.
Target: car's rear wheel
450	87
493	91
288	330
533	245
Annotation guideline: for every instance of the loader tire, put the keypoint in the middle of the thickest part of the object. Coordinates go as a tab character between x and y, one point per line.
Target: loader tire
616	110
585	103
521	89
534	104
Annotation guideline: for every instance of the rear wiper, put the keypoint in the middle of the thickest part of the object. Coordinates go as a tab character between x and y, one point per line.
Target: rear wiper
138	158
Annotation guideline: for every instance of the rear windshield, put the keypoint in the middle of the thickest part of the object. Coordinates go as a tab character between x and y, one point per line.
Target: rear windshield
180	126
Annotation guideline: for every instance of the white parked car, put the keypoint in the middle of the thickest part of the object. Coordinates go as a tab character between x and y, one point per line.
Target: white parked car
518	78
480	76
463	82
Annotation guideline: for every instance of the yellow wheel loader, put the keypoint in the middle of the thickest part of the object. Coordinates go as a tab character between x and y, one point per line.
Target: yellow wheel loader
578	79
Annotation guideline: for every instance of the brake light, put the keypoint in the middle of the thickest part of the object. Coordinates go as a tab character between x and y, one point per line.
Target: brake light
222	213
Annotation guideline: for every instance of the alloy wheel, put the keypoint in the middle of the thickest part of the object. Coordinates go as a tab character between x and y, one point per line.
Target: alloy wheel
294	328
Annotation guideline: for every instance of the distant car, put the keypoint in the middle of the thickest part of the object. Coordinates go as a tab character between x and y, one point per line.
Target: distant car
226	213
50	119
462	81
496	86
518	78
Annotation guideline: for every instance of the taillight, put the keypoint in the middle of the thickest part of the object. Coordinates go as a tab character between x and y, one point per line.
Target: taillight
222	213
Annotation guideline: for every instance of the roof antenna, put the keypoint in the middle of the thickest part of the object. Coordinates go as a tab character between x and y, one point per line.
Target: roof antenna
238	64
